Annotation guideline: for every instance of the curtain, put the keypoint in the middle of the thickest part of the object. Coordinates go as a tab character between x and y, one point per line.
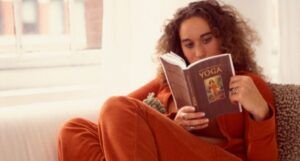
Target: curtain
289	38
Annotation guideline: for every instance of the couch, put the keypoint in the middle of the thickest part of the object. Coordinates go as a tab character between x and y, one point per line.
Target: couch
28	133
288	120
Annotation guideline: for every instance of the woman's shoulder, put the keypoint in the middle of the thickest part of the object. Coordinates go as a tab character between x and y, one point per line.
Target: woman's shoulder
257	78
154	85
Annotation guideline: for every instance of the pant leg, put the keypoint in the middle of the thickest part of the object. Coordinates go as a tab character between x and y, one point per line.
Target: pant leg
131	131
79	141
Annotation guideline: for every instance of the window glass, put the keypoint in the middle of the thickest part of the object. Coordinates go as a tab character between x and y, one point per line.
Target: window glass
50	25
7	34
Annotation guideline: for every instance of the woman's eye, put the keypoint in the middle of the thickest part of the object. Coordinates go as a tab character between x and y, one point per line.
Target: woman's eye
188	45
207	39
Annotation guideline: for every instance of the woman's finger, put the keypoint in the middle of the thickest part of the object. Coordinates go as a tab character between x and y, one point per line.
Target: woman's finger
189	119
195	122
198	127
236	78
187	109
191	116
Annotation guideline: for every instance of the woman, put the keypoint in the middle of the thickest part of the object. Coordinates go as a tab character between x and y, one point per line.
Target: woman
129	130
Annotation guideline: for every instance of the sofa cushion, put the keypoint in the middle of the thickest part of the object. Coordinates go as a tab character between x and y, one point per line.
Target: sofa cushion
287	104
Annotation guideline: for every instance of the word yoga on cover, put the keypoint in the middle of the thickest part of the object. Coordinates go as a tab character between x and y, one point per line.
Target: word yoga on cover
210	71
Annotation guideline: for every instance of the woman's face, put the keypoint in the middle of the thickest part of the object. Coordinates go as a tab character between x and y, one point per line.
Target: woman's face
197	40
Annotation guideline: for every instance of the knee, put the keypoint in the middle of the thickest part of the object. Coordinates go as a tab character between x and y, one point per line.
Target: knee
113	105
69	129
117	106
76	137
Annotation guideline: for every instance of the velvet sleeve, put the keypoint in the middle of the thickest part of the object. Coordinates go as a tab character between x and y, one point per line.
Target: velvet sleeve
162	93
261	135
142	92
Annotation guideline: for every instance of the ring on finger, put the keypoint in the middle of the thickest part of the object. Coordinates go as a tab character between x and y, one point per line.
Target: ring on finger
191	127
234	90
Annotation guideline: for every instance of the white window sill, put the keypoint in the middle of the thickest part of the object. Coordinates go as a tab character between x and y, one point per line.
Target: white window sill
49	59
21	97
41	70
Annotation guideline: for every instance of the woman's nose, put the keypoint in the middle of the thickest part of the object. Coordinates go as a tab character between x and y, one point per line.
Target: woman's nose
200	52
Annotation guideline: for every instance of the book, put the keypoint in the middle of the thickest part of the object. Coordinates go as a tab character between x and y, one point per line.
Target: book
203	84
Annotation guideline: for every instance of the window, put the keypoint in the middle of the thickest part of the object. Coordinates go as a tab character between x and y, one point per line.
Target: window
34	30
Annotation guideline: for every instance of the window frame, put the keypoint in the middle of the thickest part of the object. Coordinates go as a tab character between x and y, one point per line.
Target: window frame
69	56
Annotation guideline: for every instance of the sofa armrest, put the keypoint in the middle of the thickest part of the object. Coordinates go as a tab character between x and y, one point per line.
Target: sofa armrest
29	132
287	104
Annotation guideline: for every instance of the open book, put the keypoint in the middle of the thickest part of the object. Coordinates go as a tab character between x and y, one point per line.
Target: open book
203	84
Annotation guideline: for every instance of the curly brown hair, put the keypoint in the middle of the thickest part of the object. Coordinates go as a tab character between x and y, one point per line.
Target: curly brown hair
236	36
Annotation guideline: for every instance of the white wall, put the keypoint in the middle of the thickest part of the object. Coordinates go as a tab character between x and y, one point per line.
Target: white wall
260	16
130	34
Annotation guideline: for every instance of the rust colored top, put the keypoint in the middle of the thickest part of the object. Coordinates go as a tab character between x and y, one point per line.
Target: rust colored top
246	138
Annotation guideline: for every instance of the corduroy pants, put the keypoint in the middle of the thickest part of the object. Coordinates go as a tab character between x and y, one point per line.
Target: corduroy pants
129	130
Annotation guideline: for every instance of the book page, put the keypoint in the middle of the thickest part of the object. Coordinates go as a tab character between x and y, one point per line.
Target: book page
173	58
177	83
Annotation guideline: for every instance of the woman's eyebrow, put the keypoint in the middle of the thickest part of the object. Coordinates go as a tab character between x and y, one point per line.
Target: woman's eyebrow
205	34
201	36
185	40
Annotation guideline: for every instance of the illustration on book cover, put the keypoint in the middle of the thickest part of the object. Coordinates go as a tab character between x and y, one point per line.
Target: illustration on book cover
214	88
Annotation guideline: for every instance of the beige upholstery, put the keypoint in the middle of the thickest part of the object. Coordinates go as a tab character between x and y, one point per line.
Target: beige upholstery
287	106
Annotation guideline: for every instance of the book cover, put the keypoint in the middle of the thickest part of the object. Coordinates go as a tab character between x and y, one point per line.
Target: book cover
203	84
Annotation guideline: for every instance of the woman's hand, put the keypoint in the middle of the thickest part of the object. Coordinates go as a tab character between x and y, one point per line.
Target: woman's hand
244	91
191	120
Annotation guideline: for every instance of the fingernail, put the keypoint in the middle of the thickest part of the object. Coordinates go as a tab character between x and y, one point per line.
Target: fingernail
202	114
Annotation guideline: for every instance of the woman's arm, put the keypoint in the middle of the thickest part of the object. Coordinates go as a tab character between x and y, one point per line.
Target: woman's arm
142	92
261	135
162	93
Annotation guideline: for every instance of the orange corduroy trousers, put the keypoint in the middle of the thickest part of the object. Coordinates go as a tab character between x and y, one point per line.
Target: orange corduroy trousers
128	130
